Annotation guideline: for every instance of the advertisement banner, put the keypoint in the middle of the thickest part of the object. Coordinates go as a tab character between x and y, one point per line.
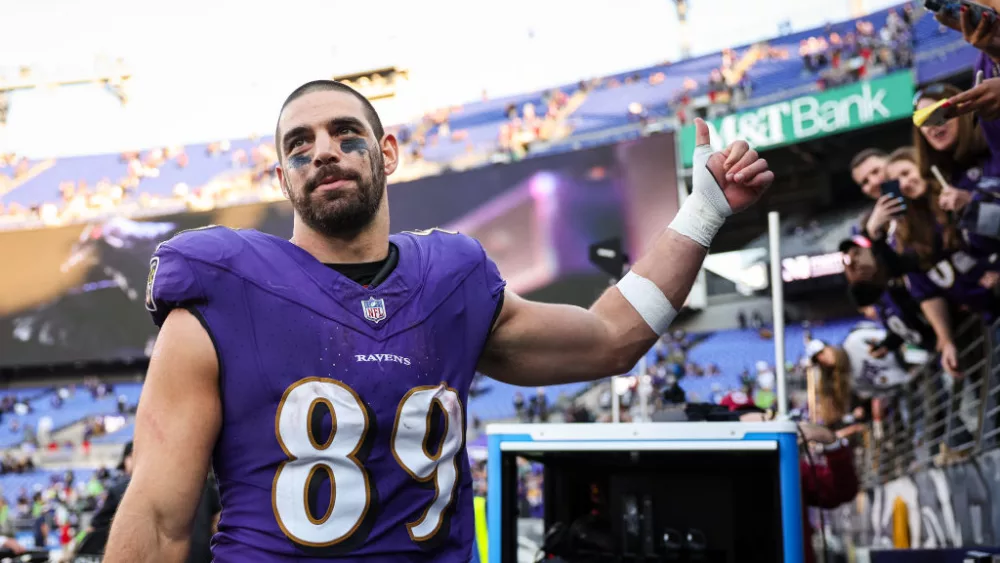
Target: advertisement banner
819	114
77	293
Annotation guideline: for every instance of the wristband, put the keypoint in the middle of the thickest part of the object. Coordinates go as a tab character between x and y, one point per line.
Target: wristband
647	299
705	210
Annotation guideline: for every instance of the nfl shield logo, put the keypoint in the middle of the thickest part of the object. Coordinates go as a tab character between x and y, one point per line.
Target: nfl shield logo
374	309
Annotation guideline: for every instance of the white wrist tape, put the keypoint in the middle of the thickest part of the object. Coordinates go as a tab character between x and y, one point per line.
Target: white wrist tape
647	299
706	209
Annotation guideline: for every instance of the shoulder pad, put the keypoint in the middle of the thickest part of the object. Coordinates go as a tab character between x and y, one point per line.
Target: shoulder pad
208	244
173	279
460	253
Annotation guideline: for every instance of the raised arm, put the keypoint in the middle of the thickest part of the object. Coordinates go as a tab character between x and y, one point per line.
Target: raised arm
936	312
176	427
542	344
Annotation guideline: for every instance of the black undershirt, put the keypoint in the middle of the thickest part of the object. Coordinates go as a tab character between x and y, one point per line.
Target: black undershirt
370	273
367	272
363	273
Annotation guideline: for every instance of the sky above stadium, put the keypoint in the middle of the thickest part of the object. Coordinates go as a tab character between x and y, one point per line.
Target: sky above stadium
215	69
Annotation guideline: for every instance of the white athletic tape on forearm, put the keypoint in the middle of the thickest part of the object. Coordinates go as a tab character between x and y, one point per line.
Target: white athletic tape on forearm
647	299
697	220
706	209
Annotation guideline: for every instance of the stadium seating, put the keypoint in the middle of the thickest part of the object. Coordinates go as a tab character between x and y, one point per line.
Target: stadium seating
120	436
475	127
940	53
737	350
481	121
74	409
12	483
201	167
601	116
733	351
497	399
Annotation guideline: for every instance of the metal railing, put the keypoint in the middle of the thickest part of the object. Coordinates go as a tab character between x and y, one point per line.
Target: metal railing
937	419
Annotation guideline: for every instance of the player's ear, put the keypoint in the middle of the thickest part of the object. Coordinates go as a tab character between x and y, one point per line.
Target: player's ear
390	153
281	180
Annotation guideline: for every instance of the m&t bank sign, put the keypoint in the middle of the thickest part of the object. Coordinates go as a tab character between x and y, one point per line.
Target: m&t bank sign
807	117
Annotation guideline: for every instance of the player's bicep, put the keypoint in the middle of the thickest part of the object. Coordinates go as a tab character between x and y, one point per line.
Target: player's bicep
536	343
510	350
177	423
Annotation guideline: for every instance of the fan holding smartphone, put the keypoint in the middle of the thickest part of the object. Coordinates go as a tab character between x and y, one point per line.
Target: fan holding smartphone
951	12
979	24
891	188
890	205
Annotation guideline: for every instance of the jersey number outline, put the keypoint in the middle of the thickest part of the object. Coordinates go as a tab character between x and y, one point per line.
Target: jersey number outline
337	456
897	325
943	274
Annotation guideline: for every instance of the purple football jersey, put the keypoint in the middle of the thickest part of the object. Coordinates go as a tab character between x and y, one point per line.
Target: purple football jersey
901	315
955	276
343	432
984	188
990	127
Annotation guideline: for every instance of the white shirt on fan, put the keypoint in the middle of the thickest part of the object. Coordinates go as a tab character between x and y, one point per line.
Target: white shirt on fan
871	374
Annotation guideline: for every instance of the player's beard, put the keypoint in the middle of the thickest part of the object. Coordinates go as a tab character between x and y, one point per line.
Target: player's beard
343	212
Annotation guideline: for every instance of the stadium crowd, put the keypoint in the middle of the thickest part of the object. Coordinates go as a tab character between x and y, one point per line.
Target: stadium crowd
841	58
55	510
652	394
923	261
923	264
249	175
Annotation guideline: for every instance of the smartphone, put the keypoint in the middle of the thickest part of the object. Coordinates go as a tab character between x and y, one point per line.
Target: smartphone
891	188
952	9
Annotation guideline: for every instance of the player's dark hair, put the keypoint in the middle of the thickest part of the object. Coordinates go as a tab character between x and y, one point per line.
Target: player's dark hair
325	85
865	155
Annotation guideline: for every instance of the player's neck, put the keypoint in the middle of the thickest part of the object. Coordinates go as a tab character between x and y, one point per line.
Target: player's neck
369	245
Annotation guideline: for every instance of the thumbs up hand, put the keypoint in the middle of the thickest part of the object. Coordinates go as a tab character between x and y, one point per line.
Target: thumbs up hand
723	183
737	172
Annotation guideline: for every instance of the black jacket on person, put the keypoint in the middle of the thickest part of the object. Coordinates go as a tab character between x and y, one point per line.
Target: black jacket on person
201	530
100	523
201	534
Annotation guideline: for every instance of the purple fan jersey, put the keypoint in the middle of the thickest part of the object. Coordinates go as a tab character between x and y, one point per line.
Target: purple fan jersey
343	432
975	180
956	277
990	127
901	315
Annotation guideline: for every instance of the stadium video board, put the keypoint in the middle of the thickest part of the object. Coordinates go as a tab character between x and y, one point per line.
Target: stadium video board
76	293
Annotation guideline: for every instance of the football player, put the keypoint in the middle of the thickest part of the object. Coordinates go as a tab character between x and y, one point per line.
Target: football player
326	376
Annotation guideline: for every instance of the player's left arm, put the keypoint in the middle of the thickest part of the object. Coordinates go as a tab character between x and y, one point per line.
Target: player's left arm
177	424
544	344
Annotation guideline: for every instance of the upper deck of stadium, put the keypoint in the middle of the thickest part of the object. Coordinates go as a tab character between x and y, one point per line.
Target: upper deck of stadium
168	179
